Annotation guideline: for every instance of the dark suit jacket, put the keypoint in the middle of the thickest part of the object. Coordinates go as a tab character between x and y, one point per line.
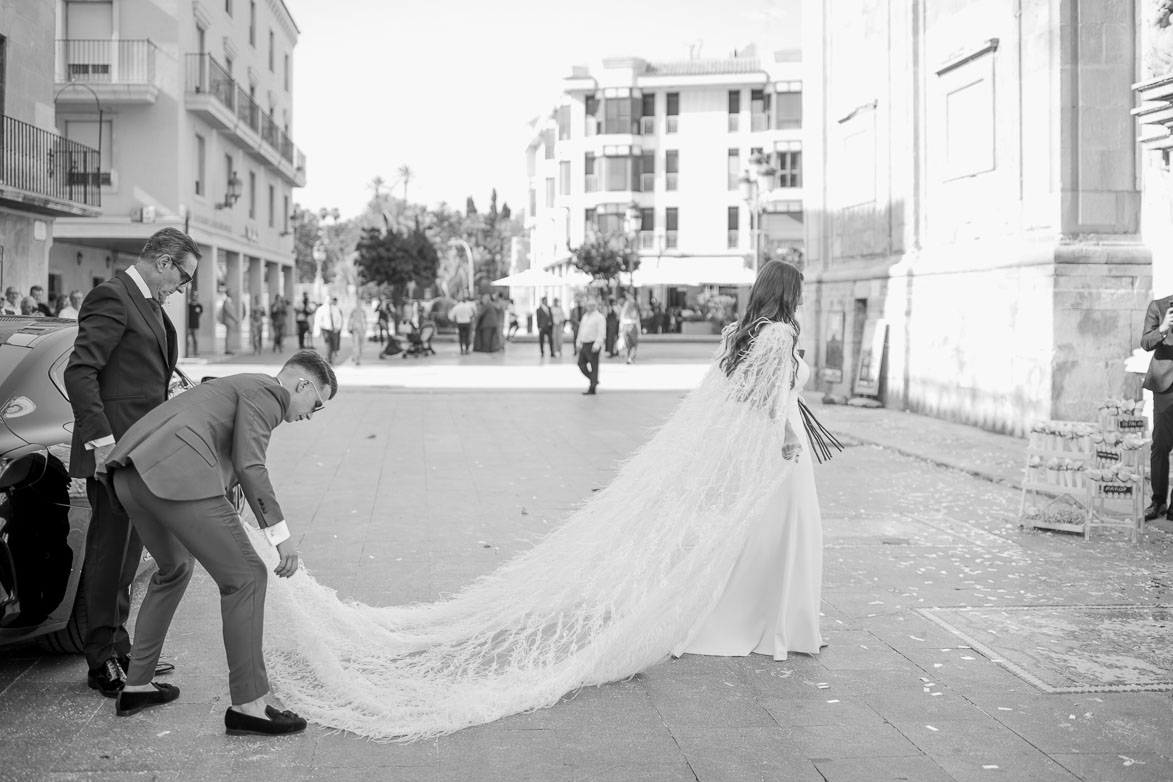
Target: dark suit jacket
120	367
203	442
1159	378
545	319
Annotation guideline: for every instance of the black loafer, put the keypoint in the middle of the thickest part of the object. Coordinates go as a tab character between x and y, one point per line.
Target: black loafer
108	678
161	669
280	723
131	703
1153	511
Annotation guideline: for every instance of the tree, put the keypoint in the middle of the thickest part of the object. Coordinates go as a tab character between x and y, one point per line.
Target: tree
305	236
396	260
605	257
405	176
470	207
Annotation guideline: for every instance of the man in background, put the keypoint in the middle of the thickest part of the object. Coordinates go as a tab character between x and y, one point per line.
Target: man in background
11	303
194	311
559	327
462	315
591	333
71	310
1158	322
38	294
328	321
230	317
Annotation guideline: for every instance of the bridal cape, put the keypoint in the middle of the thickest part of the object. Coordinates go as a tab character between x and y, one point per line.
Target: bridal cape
609	593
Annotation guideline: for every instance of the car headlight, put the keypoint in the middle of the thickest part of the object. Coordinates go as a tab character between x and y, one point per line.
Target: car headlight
17	406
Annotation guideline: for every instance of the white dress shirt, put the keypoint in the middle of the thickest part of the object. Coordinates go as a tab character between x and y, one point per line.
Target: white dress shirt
592	329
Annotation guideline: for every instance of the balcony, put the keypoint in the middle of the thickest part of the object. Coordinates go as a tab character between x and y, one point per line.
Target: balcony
671	123
119	72
670	240
48	174
647	125
647	182
215	96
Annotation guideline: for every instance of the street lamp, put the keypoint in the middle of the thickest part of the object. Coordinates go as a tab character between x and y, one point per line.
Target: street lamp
471	271
633	221
754	189
233	194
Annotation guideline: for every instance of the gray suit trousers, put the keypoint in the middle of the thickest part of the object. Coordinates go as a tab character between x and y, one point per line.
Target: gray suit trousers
207	531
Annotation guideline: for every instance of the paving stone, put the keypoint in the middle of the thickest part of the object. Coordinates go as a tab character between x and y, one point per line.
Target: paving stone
919	769
1134	767
749	754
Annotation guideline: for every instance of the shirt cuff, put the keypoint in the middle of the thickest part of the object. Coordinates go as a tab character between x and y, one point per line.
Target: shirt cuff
277	533
100	442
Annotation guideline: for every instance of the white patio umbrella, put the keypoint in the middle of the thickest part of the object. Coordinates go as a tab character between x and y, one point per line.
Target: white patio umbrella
530	278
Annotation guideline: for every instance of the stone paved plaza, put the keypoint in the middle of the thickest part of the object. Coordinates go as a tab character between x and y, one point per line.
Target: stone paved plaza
406	493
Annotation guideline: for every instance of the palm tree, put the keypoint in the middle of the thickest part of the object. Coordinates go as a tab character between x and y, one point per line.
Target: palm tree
405	175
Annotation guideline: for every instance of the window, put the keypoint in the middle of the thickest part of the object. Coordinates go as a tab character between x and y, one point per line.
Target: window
788	106
228	64
610	219
563	116
673	111
272	205
671	169
617	116
759	118
86	132
286	72
733	169
591	124
252	195
789	164
228	7
533	202
731	225
564	177
550	192
671	216
548	144
617	173
201	151
647	228
589	222
647	171
734	110
647	111
252	23
272	51
591	183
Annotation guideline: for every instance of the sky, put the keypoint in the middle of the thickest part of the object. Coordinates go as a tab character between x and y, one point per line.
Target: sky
447	87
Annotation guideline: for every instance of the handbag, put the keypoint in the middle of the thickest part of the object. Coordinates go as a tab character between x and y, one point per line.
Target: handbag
820	437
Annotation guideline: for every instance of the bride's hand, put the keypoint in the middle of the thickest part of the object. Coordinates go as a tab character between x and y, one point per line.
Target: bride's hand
288	564
791	446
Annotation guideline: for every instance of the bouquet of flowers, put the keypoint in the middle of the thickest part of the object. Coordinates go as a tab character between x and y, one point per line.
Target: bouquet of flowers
1126	414
1120	479
1063	436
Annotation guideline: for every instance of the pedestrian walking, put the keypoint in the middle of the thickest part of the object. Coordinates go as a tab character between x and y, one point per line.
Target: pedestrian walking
559	328
513	324
462	315
488	334
328	322
629	326
575	318
1158	322
383	313
171	472
114	377
231	320
195	311
591	334
357	326
612	328
278	314
303	317
256	325
545	322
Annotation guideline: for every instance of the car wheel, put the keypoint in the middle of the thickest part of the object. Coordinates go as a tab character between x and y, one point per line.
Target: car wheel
71	638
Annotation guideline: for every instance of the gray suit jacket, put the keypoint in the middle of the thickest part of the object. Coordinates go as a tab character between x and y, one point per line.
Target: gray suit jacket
206	440
1159	378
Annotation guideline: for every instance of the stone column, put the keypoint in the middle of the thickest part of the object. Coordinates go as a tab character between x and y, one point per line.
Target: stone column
205	292
289	286
234	287
272	288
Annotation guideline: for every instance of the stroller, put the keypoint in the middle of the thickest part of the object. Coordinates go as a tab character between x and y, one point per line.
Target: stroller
420	341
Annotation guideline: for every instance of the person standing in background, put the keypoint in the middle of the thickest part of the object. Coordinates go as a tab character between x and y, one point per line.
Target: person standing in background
591	333
301	317
629	326
73	307
559	316
513	324
612	328
576	313
256	323
38	294
231	320
1155	337
545	323
328	320
357	326
194	311
462	315
122	360
11	303
278	314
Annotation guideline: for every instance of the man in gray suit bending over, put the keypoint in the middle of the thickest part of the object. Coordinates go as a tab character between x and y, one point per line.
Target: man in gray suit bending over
1158	322
171	472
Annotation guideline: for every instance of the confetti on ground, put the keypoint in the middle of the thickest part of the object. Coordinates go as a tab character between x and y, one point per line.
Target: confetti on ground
823	686
935	694
930	727
990	768
833	701
164	733
1005	708
967	657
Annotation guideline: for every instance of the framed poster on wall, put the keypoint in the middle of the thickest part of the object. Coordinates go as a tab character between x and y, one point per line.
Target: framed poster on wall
834	327
871	358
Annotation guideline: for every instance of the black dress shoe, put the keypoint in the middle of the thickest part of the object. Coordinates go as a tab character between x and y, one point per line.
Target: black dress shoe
130	703
280	723
1153	511
161	669
589	392
108	678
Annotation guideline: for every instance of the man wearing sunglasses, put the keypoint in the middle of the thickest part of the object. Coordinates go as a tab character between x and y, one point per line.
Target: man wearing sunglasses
120	368
171	472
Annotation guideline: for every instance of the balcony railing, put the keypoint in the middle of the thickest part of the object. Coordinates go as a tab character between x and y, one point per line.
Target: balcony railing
670	240
671	181
647	125
647	240
45	164
247	110
205	75
671	123
110	62
647	182
734	122
731	238
759	122
591	183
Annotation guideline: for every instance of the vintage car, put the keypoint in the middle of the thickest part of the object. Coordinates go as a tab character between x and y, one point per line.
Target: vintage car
44	514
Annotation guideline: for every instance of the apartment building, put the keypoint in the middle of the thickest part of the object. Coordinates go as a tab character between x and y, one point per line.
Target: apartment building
672	142
190	104
43	177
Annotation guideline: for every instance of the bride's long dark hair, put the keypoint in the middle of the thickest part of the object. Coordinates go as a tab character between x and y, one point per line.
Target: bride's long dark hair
773	299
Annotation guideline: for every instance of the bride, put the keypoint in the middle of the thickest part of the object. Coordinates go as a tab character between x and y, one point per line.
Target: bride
707	541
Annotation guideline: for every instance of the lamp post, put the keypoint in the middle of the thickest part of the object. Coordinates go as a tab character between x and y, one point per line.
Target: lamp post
754	189
471	271
633	221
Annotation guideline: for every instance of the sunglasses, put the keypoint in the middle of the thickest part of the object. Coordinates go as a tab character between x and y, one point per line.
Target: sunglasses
184	277
321	403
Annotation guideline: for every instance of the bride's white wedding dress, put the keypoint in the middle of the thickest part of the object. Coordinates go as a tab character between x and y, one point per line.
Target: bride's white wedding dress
706	541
